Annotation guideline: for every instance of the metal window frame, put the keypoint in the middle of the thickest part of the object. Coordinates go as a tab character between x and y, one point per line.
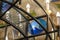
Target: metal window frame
33	18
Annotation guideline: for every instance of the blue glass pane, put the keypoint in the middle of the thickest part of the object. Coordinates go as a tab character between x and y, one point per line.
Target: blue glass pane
5	7
34	28
54	0
11	1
